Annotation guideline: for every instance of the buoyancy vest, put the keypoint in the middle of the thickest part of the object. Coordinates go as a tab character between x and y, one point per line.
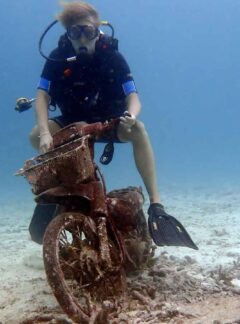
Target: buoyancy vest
79	82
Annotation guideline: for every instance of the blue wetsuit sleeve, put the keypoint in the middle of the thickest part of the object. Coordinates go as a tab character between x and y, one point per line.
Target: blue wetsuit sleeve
44	84
124	75
129	87
49	73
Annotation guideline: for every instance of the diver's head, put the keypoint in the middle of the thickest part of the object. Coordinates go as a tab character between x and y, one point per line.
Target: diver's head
81	22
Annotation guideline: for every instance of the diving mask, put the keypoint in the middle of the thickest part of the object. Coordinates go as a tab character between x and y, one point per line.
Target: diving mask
74	32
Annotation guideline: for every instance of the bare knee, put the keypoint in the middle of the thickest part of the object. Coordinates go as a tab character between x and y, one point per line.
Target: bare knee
139	128
137	132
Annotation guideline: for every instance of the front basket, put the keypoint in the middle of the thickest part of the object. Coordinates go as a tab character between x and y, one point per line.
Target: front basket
68	164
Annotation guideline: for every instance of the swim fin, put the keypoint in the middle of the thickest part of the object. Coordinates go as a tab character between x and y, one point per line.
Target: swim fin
167	230
42	216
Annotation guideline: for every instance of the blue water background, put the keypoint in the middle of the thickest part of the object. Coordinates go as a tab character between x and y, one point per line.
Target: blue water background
185	58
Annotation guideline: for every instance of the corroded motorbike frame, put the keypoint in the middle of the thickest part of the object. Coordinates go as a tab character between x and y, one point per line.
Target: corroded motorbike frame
69	177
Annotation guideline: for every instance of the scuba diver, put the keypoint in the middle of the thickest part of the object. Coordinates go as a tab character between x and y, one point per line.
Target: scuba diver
89	80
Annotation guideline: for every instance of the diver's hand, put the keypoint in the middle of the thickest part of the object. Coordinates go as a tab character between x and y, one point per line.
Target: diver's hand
46	142
127	120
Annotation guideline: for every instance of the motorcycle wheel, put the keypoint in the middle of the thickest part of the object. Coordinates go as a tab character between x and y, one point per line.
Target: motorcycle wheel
75	269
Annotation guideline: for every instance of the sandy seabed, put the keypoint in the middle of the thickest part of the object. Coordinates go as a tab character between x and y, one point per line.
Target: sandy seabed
184	286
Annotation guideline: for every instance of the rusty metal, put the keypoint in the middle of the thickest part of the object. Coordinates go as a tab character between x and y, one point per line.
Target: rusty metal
78	130
70	163
104	242
98	238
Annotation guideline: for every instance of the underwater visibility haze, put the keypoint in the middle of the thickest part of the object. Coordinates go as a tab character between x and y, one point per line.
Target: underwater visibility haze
184	56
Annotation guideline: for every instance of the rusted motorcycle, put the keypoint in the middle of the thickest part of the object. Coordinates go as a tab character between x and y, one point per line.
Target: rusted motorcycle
91	238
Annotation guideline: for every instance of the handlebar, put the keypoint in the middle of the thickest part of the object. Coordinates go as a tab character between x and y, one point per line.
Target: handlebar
77	130
71	135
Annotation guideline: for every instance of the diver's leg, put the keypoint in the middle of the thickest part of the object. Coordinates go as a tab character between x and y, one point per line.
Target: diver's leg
163	228
34	135
143	155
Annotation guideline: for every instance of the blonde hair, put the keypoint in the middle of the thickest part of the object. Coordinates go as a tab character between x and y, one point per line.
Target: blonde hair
75	11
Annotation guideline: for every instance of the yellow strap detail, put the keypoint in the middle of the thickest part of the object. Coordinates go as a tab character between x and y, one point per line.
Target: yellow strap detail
104	22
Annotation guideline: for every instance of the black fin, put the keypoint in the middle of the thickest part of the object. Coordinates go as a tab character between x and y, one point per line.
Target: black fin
166	230
42	216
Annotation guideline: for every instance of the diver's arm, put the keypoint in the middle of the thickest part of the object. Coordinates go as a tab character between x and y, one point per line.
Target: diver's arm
133	104
42	104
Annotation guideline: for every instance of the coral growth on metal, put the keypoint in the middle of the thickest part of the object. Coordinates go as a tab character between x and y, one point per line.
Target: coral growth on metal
98	238
69	163
87	266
